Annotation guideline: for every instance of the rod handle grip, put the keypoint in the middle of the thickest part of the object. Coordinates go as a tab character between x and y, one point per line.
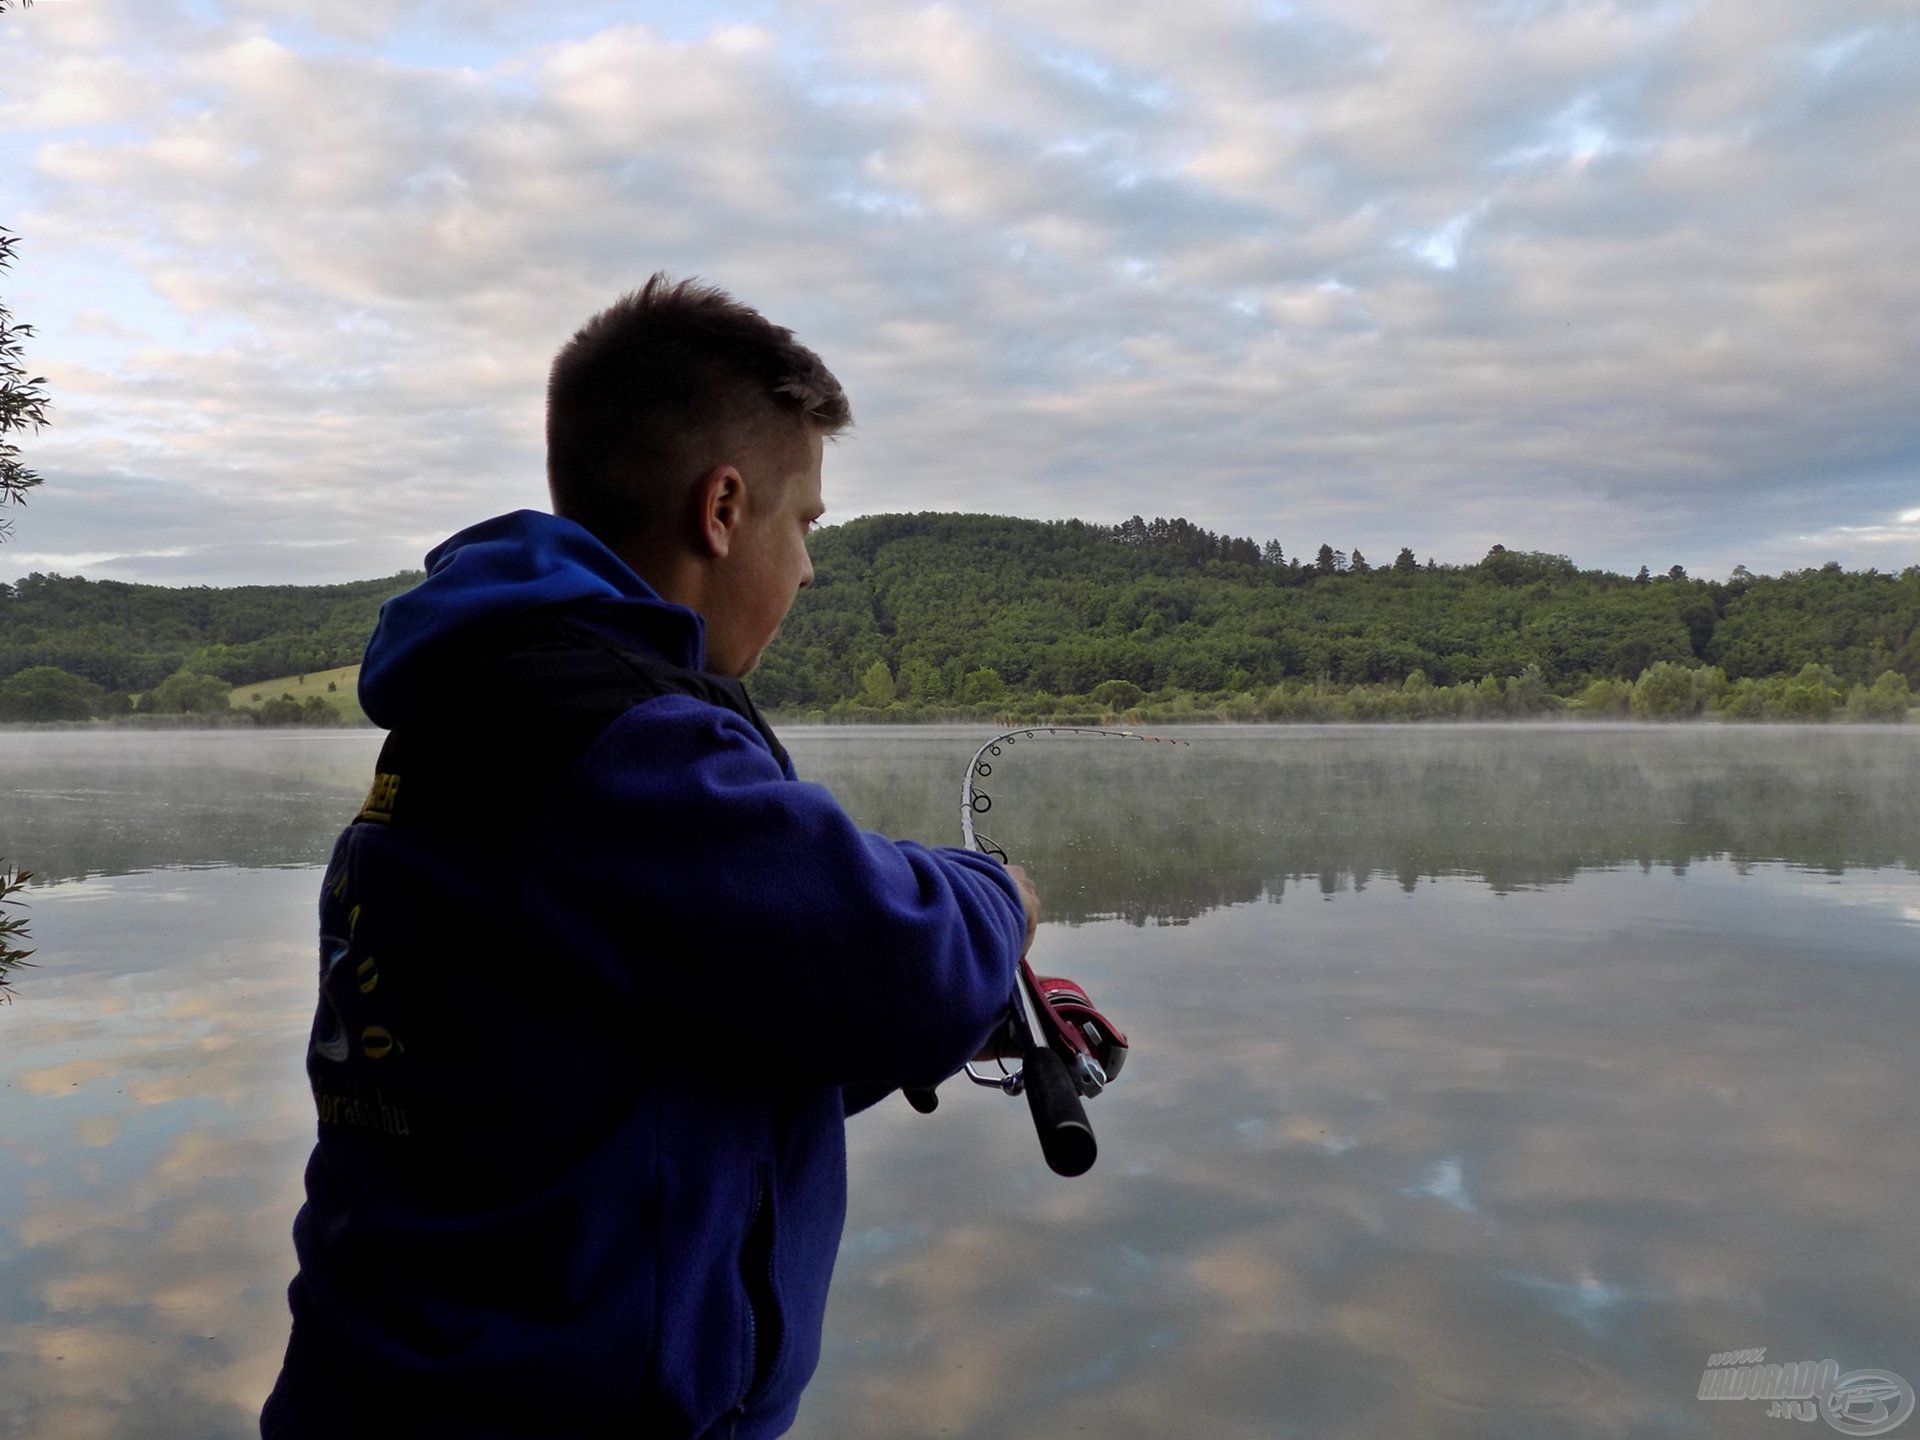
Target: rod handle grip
1061	1120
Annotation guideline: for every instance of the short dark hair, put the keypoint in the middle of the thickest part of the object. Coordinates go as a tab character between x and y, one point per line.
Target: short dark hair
667	381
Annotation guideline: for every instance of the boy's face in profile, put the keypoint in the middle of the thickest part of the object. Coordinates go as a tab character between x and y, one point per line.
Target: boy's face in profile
767	565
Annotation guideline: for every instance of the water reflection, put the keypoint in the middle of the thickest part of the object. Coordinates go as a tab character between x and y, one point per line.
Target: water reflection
153	1125
1471	1153
1447	1164
110	804
1157	833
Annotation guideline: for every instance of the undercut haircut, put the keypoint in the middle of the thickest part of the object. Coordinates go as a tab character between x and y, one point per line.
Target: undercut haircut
662	385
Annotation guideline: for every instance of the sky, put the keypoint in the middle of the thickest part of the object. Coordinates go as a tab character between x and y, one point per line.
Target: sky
1631	282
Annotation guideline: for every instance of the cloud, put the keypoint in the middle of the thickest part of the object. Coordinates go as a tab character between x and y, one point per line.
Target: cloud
1620	279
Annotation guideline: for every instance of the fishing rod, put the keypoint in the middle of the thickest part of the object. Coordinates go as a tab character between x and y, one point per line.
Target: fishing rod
1078	1052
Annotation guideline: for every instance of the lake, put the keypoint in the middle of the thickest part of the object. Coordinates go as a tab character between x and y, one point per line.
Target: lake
1486	1081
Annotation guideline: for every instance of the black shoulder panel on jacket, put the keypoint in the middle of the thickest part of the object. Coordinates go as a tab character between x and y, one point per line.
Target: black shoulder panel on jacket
518	710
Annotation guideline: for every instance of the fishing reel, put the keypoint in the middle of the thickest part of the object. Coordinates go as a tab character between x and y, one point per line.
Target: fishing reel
1077	1054
1092	1046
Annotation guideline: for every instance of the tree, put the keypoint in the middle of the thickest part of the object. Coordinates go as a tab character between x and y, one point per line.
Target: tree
1323	562
1606	697
1667	691
1272	554
46	692
23	403
1643	577
1526	693
1357	564
1886	699
12	927
1813	694
185	693
1750	699
285	710
983	687
876	686
1678	572
1489	698
1404	563
1116	695
919	681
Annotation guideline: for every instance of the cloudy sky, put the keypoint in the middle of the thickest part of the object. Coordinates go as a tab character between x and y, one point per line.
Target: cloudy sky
1631	281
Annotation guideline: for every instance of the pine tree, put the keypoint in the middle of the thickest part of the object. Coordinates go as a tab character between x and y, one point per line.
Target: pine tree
1323	562
1357	564
1404	563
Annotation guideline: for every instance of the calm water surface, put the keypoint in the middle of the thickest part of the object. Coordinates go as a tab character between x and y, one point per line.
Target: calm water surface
1485	1081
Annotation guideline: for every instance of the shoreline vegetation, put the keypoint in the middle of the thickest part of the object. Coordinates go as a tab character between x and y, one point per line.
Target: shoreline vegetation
992	620
1664	692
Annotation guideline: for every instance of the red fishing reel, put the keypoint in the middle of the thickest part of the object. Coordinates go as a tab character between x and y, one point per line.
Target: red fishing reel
1068	1053
1090	1045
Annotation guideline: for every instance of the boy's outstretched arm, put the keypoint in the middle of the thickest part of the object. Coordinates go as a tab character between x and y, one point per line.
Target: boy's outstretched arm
752	907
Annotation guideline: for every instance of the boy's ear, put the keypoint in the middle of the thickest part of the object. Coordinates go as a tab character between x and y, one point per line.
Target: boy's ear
720	503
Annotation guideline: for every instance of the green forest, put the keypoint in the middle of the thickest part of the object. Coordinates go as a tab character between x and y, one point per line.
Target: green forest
980	617
73	649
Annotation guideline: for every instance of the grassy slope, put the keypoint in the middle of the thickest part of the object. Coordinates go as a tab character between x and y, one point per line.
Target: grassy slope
344	697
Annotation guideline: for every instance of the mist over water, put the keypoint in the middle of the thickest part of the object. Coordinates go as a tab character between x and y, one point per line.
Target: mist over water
1485	1081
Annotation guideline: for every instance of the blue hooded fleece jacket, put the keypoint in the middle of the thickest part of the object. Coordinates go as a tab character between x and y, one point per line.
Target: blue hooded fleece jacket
582	1063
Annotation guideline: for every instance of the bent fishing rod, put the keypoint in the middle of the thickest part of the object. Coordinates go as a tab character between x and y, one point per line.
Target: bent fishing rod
1078	1052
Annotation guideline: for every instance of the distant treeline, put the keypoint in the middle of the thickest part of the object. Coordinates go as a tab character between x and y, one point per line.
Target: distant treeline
127	638
962	614
918	616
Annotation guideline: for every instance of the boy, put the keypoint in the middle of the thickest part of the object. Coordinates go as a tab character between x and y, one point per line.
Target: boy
600	977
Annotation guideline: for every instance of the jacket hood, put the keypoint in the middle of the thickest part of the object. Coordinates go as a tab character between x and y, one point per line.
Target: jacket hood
503	568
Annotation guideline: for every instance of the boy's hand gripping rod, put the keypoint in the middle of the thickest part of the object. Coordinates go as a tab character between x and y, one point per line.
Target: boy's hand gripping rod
1080	1051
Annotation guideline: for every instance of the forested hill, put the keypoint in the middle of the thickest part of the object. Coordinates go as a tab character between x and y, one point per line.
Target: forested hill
959	607
931	611
128	638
